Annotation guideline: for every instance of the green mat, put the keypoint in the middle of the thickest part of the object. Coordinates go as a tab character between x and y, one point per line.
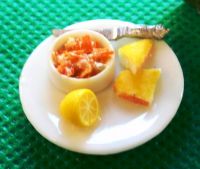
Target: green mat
24	24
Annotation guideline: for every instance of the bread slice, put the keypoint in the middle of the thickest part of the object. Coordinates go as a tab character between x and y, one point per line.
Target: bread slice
138	88
132	56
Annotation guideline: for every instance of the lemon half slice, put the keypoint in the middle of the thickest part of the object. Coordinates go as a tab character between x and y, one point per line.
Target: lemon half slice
81	107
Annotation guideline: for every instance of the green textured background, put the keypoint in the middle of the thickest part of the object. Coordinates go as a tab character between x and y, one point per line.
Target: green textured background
24	24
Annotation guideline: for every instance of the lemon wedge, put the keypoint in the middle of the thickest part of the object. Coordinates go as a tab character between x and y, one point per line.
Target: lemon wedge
81	107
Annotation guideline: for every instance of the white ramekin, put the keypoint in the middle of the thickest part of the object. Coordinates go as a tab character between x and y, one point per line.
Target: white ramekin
95	83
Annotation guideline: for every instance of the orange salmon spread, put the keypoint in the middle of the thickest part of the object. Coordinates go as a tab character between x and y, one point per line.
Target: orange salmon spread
81	57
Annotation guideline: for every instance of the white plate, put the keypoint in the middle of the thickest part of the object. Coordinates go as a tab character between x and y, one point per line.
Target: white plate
124	125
